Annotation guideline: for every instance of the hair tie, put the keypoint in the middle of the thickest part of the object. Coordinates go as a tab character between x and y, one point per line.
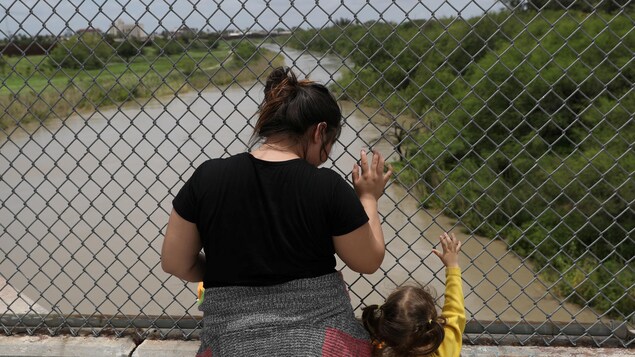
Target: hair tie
305	82
278	88
379	345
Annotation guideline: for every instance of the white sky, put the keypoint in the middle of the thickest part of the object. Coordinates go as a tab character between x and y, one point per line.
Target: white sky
52	16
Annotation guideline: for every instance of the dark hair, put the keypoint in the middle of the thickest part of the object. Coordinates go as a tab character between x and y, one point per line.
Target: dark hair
407	324
292	106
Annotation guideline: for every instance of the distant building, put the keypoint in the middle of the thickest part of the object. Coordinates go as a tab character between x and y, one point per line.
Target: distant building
89	30
185	31
280	32
235	34
121	30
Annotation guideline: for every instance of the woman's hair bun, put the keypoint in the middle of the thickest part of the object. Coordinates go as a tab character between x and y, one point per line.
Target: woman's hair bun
278	77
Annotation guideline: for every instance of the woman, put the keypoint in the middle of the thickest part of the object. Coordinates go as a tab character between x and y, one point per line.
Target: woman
269	223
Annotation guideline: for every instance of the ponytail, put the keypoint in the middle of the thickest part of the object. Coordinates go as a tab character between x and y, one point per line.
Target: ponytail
371	316
278	79
429	337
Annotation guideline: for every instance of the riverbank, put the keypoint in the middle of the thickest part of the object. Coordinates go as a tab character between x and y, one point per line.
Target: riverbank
40	98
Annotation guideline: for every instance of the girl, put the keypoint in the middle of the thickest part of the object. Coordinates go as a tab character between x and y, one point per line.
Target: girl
269	222
407	324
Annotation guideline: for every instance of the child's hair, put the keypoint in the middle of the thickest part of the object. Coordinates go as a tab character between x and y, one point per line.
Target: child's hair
407	324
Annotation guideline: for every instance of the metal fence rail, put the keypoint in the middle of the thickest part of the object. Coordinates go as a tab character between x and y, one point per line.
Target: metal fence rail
509	123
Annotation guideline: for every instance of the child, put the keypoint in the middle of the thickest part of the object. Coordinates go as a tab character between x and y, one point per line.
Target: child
407	324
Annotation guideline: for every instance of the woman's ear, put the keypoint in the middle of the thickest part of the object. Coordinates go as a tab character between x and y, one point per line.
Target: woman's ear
319	131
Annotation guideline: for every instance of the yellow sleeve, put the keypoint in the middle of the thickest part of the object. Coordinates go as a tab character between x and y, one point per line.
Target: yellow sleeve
454	313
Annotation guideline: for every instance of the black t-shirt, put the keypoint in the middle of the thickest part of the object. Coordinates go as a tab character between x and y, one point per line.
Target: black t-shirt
265	223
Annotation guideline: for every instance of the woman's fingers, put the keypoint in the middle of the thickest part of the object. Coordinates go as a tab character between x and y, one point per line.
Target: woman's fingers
375	163
371	178
355	173
364	162
378	164
388	174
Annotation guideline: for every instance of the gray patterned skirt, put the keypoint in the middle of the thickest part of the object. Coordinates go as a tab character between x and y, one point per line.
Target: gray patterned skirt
304	317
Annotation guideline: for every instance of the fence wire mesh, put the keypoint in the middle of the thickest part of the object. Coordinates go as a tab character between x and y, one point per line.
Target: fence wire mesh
509	123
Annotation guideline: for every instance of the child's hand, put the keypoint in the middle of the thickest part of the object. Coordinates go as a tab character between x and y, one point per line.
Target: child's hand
373	179
451	247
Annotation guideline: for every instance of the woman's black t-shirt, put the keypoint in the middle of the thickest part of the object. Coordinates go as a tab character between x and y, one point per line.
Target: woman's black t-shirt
265	223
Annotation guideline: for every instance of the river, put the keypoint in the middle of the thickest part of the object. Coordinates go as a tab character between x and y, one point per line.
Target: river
88	198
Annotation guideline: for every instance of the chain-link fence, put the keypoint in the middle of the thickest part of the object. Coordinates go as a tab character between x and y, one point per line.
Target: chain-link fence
509	123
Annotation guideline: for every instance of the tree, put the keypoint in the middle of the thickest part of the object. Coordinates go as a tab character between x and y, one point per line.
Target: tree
212	41
171	47
127	49
245	51
3	64
87	51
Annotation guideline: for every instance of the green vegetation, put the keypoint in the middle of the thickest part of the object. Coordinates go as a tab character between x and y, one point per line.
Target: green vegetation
525	134
88	51
3	64
40	87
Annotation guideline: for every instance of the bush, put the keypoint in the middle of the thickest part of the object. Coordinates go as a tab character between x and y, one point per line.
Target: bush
245	51
3	64
87	51
186	65
128	49
532	145
170	47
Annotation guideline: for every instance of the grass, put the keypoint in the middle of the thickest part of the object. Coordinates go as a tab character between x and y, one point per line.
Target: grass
29	94
34	72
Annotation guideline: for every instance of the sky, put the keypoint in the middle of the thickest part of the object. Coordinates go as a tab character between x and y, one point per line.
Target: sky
47	17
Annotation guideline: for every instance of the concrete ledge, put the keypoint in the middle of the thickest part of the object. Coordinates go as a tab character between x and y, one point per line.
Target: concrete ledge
166	348
518	351
171	348
30	346
70	346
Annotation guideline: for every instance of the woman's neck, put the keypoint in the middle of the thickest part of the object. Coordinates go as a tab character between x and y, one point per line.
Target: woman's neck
278	150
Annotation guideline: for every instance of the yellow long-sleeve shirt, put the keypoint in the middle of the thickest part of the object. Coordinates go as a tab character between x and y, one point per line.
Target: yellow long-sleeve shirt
454	313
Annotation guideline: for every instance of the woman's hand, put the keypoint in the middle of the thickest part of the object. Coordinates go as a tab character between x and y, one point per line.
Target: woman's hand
363	249
451	248
371	182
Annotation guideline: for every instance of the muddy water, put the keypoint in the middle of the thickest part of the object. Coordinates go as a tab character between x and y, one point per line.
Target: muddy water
88	198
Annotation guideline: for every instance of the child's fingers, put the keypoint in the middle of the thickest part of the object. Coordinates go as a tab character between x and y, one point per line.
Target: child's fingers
452	242
453	237
456	244
444	242
437	253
